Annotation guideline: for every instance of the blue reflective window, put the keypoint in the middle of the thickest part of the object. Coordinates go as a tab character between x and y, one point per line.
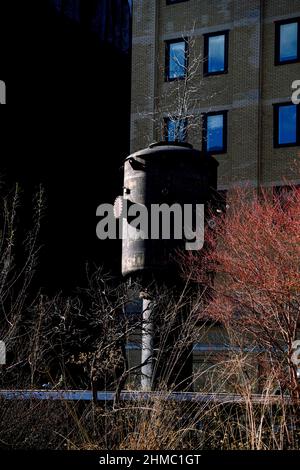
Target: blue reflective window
287	41
176	130
287	132
215	129
216	53
176	59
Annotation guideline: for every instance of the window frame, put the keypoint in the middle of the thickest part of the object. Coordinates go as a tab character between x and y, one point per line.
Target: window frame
276	107
207	36
225	131
166	134
168	43
278	24
173	2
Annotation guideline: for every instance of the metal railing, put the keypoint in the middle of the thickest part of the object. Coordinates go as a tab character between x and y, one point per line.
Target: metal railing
109	396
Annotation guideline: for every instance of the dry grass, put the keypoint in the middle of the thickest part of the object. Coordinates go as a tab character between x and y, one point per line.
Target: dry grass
79	342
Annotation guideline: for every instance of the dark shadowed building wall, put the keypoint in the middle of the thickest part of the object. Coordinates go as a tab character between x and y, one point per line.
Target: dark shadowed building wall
66	64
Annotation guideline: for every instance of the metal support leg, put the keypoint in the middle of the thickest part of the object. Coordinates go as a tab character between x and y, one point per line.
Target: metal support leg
147	346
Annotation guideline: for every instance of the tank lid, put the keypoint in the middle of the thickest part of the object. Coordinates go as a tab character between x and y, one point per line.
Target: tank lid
171	144
173	150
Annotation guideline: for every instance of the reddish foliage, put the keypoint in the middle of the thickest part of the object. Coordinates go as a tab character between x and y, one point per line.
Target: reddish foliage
254	255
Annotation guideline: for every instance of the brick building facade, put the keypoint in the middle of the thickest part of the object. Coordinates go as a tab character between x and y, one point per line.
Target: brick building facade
260	43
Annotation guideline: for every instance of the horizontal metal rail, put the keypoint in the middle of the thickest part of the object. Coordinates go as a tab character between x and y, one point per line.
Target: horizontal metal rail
81	395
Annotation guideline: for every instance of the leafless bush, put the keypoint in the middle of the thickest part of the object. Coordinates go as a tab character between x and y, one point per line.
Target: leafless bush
80	342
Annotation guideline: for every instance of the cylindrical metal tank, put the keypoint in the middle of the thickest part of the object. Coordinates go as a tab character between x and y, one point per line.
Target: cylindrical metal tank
163	173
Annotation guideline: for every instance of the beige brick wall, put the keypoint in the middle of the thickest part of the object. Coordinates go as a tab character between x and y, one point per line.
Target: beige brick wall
248	91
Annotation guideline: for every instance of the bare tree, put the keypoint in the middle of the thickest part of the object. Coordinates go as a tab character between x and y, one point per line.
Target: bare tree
180	100
18	264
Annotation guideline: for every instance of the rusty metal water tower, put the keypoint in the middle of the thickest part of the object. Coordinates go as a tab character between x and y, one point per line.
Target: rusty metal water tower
162	174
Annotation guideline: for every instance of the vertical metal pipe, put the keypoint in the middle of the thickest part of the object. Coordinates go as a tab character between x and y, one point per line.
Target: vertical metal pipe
147	346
